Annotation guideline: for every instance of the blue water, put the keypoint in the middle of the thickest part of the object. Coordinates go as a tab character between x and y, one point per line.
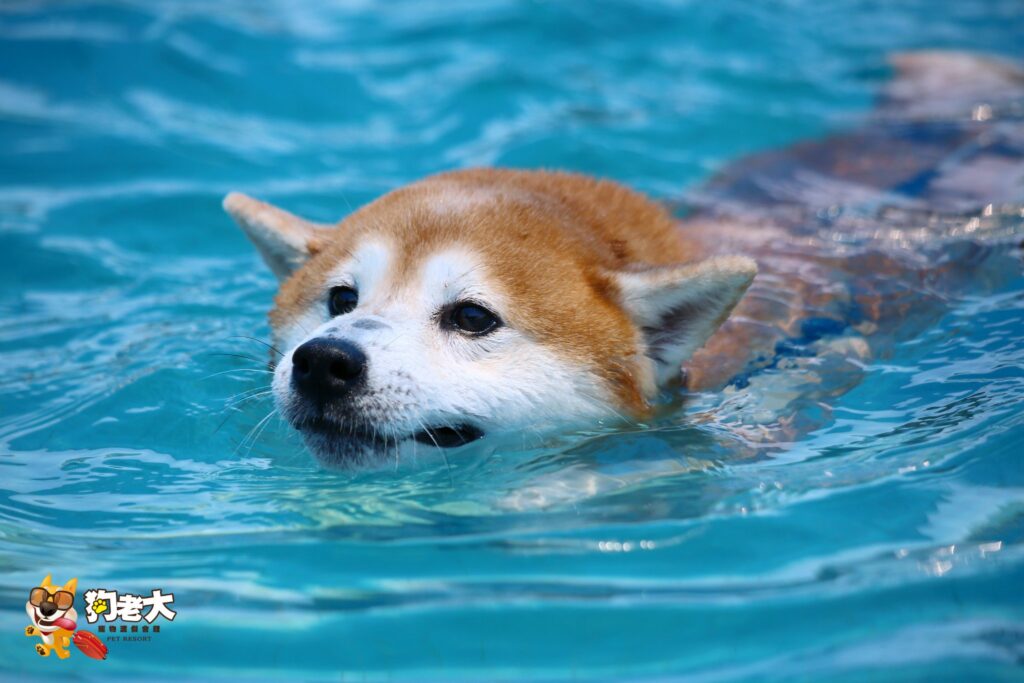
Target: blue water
887	544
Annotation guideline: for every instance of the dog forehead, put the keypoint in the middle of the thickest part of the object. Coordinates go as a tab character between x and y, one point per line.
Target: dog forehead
365	266
447	198
452	271
385	270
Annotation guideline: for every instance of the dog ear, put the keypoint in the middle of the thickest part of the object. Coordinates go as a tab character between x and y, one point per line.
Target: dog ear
48	581
71	585
677	308
284	240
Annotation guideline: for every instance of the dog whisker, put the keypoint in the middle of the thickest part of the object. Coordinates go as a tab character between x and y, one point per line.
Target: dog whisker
237	355
248	395
227	372
258	426
269	346
451	480
262	429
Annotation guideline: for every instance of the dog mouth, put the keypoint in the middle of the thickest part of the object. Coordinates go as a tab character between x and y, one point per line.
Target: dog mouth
448	437
441	436
44	622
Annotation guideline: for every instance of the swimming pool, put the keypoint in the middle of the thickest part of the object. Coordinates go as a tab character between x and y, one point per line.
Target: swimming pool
887	543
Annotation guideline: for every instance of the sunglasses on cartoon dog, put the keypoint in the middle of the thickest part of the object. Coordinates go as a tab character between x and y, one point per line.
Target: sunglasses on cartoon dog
63	599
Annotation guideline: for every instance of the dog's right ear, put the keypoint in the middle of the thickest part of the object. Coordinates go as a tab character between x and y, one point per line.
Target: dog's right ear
284	240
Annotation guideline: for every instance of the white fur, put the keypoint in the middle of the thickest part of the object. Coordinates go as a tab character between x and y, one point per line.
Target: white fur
422	375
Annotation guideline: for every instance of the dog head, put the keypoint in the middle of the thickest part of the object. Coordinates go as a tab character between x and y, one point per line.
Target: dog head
48	603
478	302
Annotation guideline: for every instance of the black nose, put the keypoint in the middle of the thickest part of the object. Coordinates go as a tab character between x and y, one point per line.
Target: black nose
324	368
48	609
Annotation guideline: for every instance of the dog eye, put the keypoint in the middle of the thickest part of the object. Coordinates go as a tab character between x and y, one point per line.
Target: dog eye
473	318
342	300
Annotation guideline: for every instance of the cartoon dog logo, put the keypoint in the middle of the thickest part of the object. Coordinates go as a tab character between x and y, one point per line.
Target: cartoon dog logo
52	611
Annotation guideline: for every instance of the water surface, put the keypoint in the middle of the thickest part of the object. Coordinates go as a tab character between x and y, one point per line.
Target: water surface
887	543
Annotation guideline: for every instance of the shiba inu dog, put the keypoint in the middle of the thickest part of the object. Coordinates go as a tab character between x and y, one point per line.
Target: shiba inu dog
488	301
52	612
480	301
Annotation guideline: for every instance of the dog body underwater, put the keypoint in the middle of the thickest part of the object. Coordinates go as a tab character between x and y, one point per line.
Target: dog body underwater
490	301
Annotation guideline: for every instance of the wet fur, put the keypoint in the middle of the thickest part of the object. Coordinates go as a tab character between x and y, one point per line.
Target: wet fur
614	295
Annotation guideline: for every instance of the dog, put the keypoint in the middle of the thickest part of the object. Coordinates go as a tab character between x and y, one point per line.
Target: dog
478	301
50	608
484	302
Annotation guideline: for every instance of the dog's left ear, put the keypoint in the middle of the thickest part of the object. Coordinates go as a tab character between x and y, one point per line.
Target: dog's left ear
284	240
678	308
71	585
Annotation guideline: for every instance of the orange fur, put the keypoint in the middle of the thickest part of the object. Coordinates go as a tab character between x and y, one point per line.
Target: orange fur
550	238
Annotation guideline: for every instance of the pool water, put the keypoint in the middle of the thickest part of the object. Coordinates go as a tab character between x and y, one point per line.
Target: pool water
887	543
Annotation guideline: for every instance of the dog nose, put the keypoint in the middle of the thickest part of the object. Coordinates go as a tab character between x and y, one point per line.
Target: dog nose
48	609
324	368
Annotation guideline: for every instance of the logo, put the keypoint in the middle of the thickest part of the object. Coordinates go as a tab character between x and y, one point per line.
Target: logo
52	612
131	609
